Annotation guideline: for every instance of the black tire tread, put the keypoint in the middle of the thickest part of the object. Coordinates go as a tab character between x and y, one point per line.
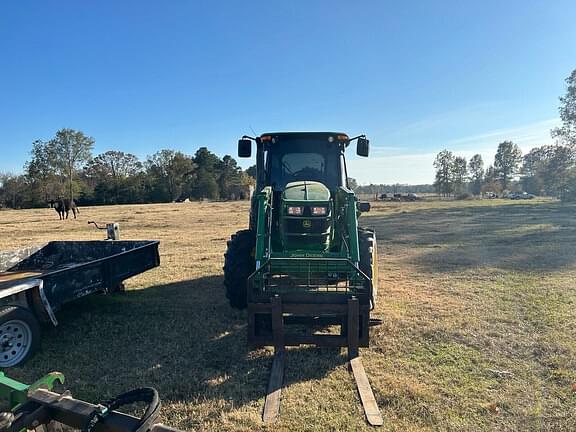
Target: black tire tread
367	248
238	265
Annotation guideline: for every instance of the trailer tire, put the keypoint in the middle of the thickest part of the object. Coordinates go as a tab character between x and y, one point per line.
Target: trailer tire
19	335
369	260
238	265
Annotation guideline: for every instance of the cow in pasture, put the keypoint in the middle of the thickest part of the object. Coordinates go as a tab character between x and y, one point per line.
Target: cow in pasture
63	207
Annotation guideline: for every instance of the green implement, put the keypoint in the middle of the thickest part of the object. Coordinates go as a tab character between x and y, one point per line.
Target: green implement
36	407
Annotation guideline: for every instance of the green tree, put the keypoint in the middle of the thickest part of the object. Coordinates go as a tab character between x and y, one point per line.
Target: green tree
209	170
476	168
70	150
507	161
207	160
251	171
230	178
491	181
170	173
550	169
443	164
535	173
206	185
562	171
567	132
43	180
459	173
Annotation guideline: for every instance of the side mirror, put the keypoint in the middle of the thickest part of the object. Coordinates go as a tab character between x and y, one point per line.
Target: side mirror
244	148
363	147
363	207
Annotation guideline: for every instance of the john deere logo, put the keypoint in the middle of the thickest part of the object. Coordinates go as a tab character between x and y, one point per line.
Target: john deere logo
306	223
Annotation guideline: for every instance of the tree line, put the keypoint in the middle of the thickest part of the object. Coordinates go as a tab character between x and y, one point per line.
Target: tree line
548	170
379	189
65	166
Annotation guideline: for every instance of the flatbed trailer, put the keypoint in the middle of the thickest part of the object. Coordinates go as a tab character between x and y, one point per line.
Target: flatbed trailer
36	281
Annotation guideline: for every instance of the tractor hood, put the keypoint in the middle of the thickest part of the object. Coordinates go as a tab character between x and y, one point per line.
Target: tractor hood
306	191
306	216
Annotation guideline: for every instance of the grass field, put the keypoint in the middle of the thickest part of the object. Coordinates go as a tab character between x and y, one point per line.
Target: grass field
477	299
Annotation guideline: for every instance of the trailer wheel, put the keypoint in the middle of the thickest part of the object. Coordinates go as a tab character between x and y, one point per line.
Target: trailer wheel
369	260
19	335
238	265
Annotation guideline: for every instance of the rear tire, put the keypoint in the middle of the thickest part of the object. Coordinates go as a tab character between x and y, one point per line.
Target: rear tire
369	260
19	335
239	263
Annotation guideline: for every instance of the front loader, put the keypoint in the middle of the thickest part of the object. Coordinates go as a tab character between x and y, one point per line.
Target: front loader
304	263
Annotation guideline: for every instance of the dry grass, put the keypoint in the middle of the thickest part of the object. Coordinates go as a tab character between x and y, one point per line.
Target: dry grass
477	300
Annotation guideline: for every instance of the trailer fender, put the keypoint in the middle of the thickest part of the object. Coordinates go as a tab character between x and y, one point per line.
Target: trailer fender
27	286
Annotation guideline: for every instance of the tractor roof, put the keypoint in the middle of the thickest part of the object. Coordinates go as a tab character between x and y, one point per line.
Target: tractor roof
305	135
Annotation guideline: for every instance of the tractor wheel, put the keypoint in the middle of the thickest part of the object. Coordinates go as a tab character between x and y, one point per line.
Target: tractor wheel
369	260
19	335
238	265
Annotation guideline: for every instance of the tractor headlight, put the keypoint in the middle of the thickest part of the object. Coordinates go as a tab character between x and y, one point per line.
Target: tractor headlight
295	211
319	211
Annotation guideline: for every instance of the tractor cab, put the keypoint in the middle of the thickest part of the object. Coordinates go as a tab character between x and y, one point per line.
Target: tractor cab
285	157
304	171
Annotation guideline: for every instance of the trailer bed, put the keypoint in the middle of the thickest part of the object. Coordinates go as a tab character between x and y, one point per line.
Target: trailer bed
36	281
72	269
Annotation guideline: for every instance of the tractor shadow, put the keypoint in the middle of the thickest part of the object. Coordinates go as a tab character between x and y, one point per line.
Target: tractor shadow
181	338
525	237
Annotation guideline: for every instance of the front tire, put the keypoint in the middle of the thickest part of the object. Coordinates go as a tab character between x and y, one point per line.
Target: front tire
19	335
239	263
369	260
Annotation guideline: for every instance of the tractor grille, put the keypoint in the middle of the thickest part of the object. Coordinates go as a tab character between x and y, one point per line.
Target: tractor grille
306	233
317	225
305	275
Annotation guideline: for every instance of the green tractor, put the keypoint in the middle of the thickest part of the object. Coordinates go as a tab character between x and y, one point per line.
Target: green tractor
304	263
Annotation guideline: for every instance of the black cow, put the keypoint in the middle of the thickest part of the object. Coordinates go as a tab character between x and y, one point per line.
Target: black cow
63	207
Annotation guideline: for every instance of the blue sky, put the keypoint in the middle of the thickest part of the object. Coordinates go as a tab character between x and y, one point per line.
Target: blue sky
415	76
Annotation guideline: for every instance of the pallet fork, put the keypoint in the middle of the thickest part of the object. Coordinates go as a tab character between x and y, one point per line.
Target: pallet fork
351	337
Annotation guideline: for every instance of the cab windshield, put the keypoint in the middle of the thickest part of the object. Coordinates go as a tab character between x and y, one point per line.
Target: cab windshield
296	160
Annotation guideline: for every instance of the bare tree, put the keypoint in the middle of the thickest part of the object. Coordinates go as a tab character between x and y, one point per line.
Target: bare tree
112	168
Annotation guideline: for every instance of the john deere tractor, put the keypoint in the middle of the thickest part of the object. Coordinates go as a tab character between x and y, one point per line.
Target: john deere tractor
304	263
303	244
